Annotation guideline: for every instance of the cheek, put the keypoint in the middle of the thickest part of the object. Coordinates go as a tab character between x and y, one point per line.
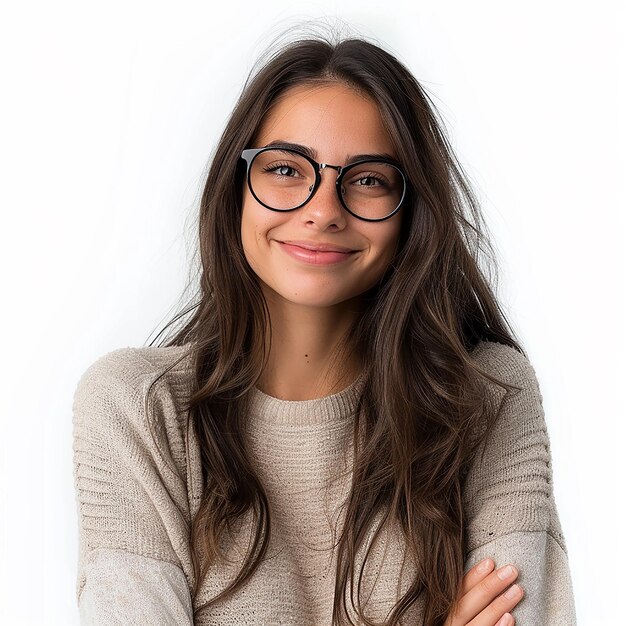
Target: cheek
387	239
256	227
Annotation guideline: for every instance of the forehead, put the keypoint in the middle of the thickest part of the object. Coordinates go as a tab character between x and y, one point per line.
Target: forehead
334	119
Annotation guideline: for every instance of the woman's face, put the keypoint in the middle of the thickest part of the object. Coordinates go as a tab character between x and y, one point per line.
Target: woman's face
336	122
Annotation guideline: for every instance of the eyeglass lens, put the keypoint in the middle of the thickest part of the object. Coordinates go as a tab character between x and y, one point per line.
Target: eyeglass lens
283	180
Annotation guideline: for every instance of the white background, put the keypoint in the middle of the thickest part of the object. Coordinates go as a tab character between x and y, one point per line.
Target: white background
109	112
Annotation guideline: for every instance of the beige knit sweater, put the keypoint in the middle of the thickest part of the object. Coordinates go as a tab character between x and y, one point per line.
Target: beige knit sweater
136	497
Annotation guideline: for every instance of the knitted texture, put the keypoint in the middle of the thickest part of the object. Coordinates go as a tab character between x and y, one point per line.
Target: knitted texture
138	483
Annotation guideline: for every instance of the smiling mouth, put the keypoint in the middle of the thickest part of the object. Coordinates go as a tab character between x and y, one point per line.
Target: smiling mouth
314	248
315	257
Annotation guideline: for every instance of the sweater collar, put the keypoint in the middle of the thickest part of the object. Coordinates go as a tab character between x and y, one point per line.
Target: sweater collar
333	408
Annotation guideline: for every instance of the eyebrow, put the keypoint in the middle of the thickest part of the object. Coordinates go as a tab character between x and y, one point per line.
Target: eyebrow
312	153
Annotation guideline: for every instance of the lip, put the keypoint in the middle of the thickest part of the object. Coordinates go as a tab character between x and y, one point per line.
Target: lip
315	257
319	247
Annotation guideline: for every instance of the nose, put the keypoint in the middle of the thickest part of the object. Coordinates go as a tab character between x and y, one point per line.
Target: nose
325	203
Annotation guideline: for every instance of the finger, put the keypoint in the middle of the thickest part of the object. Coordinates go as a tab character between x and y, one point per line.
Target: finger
506	620
498	608
484	592
476	574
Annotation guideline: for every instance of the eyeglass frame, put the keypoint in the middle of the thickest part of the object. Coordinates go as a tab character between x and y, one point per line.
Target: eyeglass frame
249	154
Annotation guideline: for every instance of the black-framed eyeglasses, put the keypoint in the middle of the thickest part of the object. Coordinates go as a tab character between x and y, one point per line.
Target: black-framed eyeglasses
283	179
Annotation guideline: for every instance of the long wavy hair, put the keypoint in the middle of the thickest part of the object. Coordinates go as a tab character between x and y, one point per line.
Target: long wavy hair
422	399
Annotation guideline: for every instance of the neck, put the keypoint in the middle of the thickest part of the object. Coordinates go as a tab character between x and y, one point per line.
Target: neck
305	340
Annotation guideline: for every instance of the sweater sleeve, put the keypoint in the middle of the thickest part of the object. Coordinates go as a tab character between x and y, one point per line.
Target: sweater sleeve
124	588
510	506
132	504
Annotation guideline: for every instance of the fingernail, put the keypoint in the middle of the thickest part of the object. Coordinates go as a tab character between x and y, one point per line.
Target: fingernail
483	566
511	592
505	620
505	572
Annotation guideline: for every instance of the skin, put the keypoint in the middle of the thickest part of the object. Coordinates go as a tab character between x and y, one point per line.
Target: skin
482	599
312	306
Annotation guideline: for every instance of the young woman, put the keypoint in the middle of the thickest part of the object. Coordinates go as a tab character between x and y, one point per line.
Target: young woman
345	430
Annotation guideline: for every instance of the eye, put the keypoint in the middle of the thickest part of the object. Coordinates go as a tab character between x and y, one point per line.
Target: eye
373	176
285	167
370	178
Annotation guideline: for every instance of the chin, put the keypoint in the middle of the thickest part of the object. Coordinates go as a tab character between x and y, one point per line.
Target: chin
314	298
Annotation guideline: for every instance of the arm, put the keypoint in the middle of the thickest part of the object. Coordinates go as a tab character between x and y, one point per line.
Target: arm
132	504
123	588
510	506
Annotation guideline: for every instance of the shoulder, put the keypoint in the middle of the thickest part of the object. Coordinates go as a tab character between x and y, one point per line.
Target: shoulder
508	365
501	359
131	364
128	372
516	397
135	395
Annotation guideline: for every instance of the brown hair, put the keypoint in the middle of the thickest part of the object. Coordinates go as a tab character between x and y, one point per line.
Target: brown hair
423	397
